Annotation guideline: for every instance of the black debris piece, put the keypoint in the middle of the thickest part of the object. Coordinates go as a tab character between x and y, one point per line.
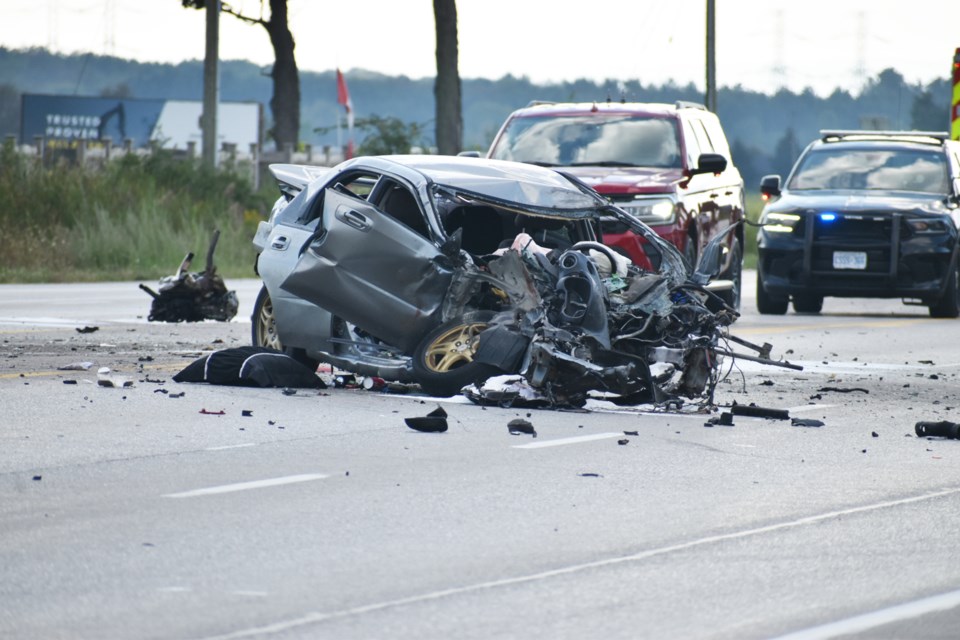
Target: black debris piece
246	413
631	433
766	383
874	434
433	422
754	411
251	367
87	329
192	297
176	395
521	427
805	422
622	441
942	429
844	389
145	359
289	391
590	475
37	478
725	419
69	382
213	413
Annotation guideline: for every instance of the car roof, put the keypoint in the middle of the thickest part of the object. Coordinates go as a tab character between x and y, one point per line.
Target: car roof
500	180
655	109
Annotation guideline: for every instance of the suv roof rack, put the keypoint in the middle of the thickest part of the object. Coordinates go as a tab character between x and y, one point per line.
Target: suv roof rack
924	137
684	104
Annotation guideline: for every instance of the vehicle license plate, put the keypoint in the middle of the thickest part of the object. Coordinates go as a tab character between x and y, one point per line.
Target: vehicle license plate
849	259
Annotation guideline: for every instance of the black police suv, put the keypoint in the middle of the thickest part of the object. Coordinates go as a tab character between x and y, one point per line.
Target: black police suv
869	214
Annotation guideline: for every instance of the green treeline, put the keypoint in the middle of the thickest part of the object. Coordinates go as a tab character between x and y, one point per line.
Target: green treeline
766	131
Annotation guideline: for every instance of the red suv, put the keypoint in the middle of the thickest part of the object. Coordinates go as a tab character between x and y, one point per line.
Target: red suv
668	164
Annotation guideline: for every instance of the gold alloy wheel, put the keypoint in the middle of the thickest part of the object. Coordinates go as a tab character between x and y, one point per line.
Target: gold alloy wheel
454	348
267	326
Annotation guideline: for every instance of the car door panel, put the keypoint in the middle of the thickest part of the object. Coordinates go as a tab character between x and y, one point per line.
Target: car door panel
297	320
371	270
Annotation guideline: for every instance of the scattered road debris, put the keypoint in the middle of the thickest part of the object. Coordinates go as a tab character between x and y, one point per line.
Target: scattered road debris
76	366
622	441
754	411
246	413
805	422
87	329
69	382
105	378
521	427
213	413
631	433
843	389
725	419
590	475
192	297
942	429
433	422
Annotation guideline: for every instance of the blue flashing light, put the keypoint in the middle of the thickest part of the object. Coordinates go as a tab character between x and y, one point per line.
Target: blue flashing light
828	217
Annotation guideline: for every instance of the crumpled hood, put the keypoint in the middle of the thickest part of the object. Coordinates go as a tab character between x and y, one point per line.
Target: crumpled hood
859	202
628	179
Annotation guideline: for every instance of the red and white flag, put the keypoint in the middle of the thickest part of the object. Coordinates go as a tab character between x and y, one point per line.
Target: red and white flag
343	98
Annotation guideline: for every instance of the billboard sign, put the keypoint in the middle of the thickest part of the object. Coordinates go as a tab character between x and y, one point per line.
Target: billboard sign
65	120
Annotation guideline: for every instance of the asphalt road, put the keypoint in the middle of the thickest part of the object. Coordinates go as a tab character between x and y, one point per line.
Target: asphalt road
131	512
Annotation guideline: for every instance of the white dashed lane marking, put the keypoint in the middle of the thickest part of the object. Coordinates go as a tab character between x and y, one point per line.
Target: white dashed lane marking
245	486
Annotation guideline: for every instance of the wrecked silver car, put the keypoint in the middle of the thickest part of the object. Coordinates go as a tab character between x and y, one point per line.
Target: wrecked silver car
448	271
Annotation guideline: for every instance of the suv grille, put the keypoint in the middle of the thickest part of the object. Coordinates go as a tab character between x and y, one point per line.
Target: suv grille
876	235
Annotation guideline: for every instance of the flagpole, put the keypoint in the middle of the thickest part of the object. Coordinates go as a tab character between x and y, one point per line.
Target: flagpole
339	137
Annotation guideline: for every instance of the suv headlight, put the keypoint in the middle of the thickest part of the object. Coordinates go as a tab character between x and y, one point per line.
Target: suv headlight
779	222
928	226
652	211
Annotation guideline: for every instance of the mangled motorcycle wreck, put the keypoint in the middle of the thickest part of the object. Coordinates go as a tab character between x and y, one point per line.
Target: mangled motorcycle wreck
450	271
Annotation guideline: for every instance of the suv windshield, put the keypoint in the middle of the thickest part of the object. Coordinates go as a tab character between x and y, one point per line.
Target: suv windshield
617	140
880	169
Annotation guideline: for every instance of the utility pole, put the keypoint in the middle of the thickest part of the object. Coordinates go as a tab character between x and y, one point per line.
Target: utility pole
711	56
211	84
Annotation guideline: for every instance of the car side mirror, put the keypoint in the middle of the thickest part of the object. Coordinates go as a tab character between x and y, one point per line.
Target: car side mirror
770	186
710	163
469	154
711	258
451	246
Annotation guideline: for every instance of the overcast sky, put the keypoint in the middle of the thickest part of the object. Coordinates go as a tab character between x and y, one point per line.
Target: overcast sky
761	44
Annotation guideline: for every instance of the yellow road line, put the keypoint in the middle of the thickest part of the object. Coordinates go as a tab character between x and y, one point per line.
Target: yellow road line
66	372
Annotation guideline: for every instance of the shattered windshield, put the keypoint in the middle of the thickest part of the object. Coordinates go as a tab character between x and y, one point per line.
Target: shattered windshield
872	169
594	139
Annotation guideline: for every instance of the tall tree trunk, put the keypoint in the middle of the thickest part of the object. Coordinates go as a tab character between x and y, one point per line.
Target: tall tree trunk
446	90
285	103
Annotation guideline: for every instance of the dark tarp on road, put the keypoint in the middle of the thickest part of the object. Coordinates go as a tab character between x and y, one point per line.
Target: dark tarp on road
250	367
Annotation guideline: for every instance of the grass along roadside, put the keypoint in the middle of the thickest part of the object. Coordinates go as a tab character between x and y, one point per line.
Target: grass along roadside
134	218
